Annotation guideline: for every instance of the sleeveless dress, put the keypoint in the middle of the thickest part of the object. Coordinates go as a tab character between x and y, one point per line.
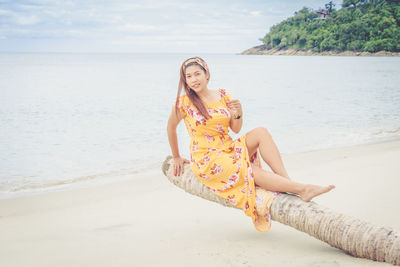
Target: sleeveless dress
221	163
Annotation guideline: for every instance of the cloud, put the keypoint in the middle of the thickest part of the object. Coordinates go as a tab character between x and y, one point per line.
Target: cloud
4	12
26	20
185	43
138	27
255	13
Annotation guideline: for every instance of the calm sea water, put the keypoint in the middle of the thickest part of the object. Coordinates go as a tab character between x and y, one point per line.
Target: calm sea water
69	119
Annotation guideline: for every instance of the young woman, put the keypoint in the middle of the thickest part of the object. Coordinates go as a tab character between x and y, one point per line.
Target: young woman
229	168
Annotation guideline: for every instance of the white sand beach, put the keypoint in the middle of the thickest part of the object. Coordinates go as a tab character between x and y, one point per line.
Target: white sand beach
150	222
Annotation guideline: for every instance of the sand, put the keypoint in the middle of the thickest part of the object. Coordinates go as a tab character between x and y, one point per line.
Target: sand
147	221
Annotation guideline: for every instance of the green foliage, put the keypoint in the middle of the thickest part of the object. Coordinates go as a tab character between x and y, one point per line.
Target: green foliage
360	25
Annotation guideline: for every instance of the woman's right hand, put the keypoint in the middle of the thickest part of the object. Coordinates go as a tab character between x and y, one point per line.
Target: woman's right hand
178	165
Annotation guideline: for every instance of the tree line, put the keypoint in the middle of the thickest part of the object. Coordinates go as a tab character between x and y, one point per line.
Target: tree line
360	25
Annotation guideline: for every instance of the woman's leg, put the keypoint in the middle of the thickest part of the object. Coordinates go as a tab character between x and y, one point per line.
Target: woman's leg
274	182
262	139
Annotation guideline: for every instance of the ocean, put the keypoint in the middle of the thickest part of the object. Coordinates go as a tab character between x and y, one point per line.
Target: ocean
76	119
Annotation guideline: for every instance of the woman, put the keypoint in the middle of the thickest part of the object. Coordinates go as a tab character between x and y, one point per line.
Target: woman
229	168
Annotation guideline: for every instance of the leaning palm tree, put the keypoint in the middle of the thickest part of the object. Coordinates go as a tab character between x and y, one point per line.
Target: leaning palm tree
358	238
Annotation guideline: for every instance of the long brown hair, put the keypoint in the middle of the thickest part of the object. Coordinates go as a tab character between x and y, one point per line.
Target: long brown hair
194	98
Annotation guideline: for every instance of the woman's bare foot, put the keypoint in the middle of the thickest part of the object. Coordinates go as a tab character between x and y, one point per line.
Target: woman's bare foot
310	191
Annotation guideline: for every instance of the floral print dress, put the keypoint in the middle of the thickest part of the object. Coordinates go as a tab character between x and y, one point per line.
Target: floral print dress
221	163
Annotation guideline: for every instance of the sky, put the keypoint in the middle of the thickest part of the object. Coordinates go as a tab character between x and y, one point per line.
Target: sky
141	26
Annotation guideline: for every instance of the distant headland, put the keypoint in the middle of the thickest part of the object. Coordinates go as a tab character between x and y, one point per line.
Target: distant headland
359	28
263	50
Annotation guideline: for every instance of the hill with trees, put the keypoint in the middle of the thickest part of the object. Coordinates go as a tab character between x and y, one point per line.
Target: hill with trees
358	26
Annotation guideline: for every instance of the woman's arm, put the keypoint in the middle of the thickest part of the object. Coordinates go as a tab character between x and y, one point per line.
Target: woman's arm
236	121
173	122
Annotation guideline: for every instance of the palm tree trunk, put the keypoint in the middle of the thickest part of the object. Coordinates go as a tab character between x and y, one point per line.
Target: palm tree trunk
358	238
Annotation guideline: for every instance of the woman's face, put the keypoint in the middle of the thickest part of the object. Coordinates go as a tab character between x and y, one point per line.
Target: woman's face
196	78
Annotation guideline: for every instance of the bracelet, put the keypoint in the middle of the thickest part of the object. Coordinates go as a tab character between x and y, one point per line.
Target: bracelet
236	117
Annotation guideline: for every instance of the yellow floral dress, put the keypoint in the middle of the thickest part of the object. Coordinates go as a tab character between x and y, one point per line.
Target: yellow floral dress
221	163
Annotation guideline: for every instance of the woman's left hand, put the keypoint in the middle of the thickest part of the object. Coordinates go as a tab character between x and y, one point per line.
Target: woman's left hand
234	107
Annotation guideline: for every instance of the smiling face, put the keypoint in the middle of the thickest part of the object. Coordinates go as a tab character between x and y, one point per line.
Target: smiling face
196	78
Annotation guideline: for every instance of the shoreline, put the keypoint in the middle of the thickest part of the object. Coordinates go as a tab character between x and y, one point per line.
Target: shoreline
111	180
74	185
262	50
128	222
338	147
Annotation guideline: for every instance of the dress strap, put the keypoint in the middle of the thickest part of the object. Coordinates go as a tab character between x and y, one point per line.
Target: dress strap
224	95
221	94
